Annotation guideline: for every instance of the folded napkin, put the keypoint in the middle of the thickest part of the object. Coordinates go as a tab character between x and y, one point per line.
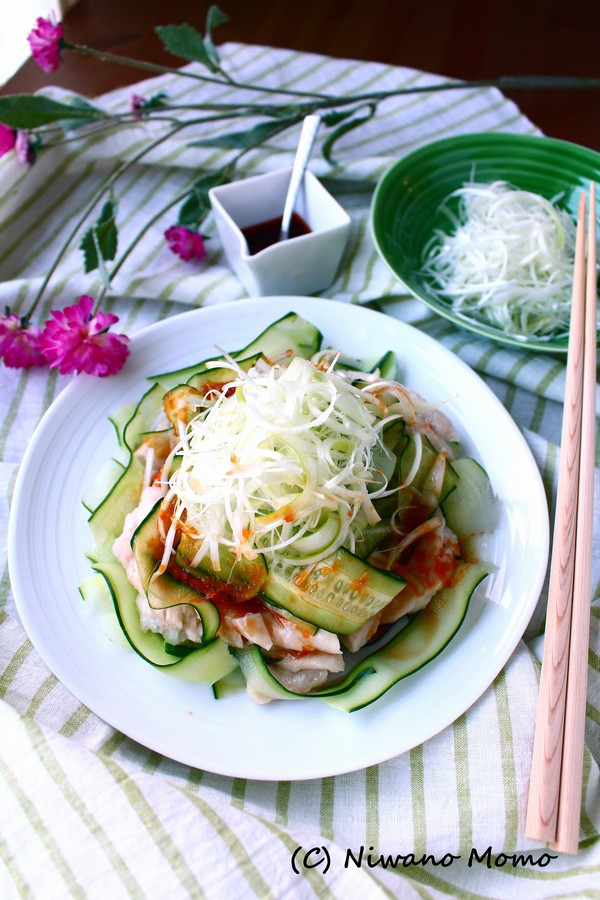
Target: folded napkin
88	812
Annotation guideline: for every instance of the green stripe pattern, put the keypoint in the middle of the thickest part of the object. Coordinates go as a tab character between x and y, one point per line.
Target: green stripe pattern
85	810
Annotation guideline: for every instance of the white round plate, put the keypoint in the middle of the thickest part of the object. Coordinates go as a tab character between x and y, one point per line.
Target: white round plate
233	736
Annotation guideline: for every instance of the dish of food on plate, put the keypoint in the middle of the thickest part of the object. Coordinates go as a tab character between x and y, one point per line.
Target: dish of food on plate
73	448
284	509
481	228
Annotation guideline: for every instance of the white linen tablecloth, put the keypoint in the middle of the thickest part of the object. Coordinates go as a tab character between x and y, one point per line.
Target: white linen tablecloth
86	812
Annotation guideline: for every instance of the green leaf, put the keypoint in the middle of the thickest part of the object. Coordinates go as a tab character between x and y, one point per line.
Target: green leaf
339	115
205	182
34	111
101	263
194	209
214	18
241	140
344	128
186	42
156	101
100	241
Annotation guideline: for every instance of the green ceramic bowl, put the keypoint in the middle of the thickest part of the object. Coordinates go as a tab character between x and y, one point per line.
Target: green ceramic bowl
406	204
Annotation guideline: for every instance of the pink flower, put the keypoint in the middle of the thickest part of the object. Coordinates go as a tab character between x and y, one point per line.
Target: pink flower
79	342
26	148
7	139
136	105
45	41
185	243
140	106
19	343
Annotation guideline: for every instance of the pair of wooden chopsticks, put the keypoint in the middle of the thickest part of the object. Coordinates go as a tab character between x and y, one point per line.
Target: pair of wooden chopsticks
555	789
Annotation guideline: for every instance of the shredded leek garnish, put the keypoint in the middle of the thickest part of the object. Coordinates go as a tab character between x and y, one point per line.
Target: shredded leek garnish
283	458
509	261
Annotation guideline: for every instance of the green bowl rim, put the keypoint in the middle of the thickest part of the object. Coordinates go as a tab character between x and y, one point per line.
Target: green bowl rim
476	139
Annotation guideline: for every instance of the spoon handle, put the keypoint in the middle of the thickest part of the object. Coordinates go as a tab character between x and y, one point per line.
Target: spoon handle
310	126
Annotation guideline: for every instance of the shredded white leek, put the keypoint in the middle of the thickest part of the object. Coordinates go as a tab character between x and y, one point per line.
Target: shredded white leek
509	261
285	462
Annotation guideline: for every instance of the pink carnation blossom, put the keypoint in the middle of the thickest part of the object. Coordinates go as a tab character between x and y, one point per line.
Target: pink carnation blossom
185	243
19	343
8	137
45	41
79	342
26	148
136	105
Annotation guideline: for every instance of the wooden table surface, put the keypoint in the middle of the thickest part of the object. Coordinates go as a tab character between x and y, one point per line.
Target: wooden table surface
467	39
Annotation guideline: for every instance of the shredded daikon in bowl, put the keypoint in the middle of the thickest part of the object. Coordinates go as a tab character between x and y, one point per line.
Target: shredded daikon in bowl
508	262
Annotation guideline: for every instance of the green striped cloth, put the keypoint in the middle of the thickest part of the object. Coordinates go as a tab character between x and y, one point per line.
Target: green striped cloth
86	812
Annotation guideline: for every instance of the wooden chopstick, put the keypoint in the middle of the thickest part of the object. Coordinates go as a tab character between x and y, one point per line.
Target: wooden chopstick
549	768
569	806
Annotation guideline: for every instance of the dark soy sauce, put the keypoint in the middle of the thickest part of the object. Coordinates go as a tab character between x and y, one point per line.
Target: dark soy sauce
264	234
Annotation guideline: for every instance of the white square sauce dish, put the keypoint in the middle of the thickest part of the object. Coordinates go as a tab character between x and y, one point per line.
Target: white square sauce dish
248	214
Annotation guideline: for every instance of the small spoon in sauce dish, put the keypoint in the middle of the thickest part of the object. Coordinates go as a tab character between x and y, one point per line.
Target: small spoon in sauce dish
310	126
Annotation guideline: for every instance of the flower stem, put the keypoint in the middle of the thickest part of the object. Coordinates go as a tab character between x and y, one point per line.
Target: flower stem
157	69
107	185
509	82
227	171
92	203
160	117
224	81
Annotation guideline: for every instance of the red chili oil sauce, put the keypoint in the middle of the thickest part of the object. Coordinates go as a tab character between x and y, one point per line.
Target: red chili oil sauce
264	234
